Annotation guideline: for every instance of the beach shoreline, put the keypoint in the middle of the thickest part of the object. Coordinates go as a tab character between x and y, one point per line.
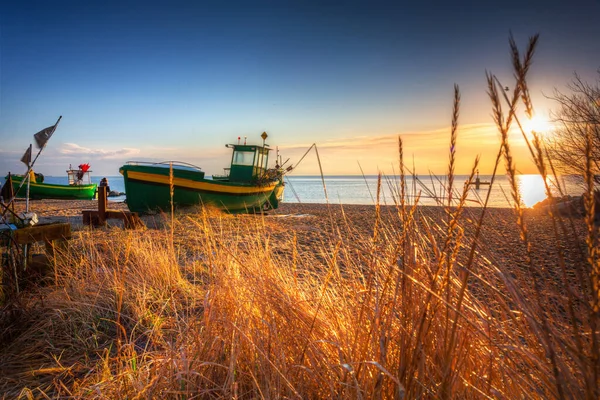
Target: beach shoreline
315	224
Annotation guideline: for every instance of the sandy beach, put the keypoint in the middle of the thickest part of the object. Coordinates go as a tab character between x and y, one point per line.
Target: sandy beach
311	234
226	274
319	225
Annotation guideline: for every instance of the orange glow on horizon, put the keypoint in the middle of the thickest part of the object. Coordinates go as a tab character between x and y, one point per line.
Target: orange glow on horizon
428	150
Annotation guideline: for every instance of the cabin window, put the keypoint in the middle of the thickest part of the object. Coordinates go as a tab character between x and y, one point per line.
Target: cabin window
260	161
243	158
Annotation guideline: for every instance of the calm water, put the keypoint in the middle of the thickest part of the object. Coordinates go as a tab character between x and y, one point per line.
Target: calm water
363	190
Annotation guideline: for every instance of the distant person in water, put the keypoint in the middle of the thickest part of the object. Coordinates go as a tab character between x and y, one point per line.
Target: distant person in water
104	182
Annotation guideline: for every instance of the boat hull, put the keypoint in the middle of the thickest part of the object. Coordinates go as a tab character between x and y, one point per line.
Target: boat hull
148	189
53	191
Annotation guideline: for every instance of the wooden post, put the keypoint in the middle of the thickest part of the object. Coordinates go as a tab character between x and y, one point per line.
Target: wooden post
102	200
131	220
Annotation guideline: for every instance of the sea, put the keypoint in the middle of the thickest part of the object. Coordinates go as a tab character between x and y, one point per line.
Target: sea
426	189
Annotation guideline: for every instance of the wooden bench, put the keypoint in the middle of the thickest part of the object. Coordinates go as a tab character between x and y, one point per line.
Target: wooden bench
32	267
54	235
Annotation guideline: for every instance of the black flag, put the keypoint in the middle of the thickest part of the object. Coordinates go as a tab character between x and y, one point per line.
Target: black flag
26	159
7	192
44	135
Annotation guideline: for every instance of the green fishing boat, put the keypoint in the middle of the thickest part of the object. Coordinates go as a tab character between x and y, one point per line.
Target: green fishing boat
80	186
248	185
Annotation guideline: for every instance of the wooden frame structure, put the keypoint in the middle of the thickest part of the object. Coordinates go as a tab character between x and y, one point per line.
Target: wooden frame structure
98	217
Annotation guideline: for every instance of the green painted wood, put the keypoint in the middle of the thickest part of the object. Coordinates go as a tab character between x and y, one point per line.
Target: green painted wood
153	191
53	191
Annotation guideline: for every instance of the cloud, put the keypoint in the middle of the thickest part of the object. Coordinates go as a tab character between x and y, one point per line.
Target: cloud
368	153
482	133
75	150
429	150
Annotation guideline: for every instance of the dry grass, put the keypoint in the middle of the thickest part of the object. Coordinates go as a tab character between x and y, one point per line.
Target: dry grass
397	303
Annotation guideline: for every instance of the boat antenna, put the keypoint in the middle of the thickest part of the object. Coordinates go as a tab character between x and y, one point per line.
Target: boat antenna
282	164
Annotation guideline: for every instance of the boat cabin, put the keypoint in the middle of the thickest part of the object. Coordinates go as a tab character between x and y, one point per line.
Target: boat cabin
79	177
248	163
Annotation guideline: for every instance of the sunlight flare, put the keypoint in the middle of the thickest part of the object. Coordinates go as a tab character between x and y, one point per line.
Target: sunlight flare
532	189
538	124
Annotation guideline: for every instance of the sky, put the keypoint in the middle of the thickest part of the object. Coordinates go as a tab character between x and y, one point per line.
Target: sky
177	80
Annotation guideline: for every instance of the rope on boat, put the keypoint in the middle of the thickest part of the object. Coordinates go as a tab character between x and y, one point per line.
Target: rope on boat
293	190
320	169
302	158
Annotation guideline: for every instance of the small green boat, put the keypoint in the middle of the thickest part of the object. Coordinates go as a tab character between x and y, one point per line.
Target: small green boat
79	187
248	185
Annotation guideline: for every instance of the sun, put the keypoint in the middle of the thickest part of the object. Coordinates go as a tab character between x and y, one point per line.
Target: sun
538	124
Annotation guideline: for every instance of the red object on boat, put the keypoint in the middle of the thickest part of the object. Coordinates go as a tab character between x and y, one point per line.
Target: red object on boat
84	167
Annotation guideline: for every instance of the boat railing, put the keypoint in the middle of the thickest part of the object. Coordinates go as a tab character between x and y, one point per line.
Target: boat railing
78	177
165	164
223	176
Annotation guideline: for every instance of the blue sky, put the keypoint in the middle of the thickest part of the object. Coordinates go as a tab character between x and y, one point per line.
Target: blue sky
177	80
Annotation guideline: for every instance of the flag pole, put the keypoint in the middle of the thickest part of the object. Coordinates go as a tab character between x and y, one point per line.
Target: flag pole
27	192
31	165
25	246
